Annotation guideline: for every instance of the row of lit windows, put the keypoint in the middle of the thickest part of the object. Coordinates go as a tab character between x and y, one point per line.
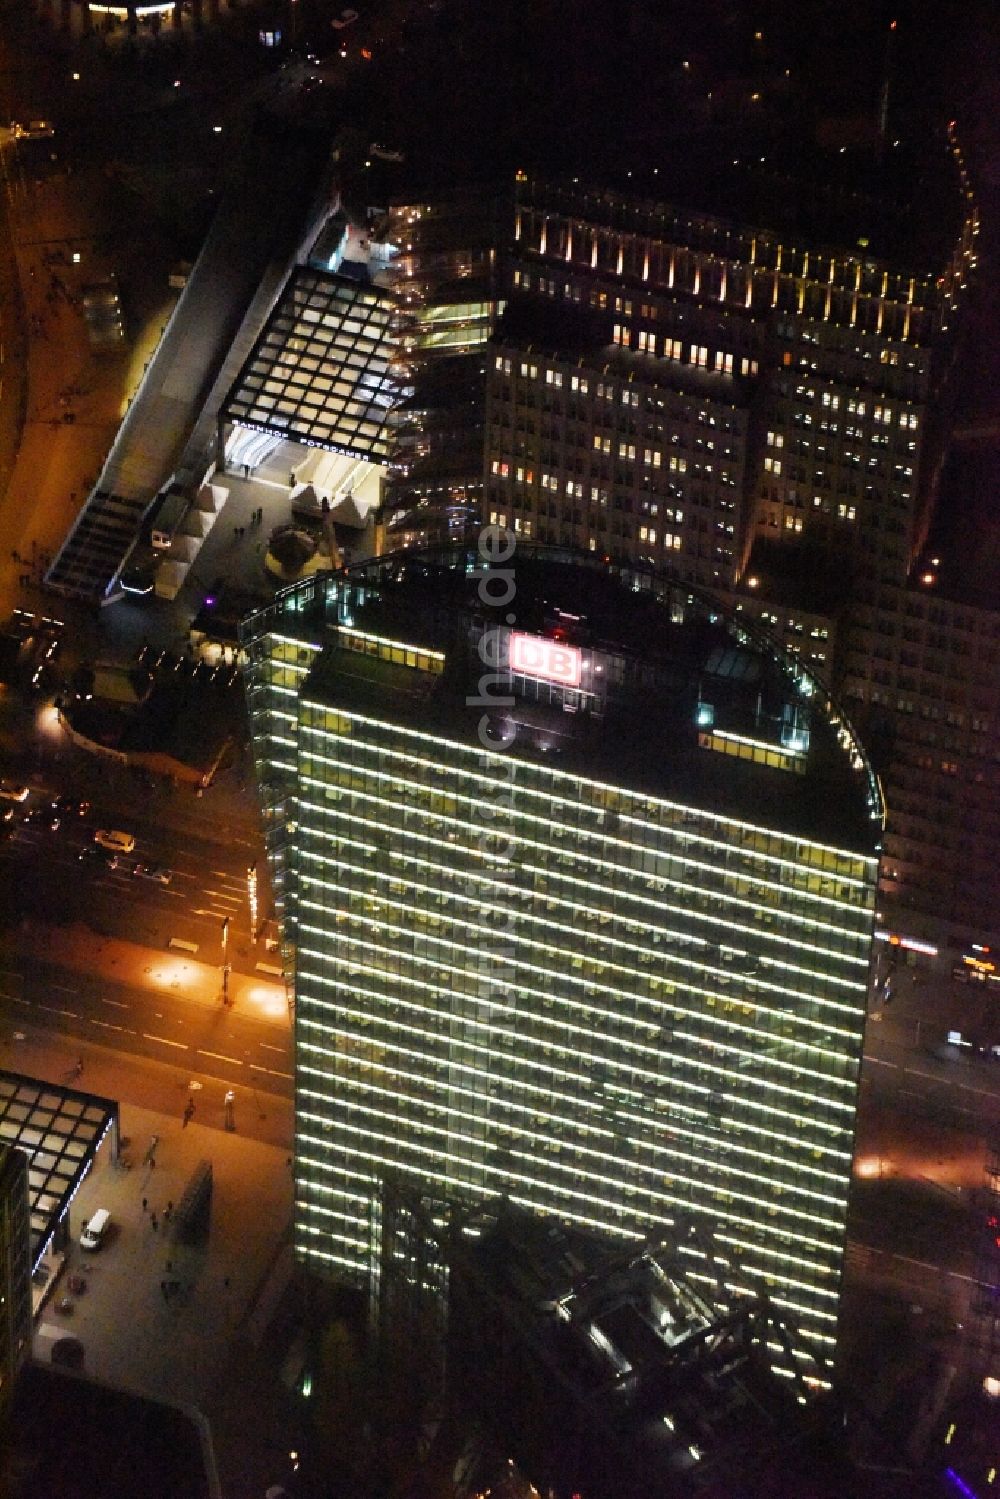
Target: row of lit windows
811	877
473	768
735	974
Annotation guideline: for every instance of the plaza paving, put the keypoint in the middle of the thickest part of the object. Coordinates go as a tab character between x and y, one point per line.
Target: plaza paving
212	1343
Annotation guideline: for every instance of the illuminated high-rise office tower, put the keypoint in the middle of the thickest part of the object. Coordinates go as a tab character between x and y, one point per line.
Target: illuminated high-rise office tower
580	876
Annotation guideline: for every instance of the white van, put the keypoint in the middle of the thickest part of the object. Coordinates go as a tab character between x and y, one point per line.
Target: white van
94	1231
113	838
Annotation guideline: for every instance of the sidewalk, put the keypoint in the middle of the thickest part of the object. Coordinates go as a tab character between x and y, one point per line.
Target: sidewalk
191	1345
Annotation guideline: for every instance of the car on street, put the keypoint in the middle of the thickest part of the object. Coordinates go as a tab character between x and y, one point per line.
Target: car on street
69	806
44	817
33	130
91	854
114	839
155	872
345	19
12	791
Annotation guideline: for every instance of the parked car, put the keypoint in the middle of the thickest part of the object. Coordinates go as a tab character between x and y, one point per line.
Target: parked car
94	1231
69	806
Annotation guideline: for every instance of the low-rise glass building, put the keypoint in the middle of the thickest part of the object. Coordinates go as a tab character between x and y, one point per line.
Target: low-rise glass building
579	878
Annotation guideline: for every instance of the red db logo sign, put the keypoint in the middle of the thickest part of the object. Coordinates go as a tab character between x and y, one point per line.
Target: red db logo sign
534	657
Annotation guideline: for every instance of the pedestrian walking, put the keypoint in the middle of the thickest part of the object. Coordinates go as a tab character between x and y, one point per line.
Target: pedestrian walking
168	1213
153	1220
145	1203
163	1289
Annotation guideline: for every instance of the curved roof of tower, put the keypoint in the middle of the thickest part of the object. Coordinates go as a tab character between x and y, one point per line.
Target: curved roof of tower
673	697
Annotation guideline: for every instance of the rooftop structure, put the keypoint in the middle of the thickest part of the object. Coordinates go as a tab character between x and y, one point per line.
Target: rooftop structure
611	1373
59	1130
319	373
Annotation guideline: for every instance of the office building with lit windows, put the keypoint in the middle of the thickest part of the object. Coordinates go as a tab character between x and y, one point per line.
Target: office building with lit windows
672	387
586	926
767	418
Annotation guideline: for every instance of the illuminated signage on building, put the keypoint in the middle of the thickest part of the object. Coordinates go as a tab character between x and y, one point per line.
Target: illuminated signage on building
535	657
912	944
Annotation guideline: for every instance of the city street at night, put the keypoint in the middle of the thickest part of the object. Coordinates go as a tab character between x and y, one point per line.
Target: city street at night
499	750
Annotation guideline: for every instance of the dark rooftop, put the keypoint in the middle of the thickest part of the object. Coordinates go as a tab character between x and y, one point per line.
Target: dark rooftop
666	679
778	127
71	1438
580	333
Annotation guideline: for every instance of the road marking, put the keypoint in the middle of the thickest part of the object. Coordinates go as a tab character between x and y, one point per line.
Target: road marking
16	1000
266	1046
64	988
117	1004
53	1011
939	1270
220	1057
271	1071
224	895
269	968
948	1083
181	1045
8	973
107	1026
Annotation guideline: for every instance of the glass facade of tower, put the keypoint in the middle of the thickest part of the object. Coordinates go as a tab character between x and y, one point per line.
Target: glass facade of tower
615	998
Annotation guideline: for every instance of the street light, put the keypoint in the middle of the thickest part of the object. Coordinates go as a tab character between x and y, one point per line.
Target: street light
252	899
225	961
